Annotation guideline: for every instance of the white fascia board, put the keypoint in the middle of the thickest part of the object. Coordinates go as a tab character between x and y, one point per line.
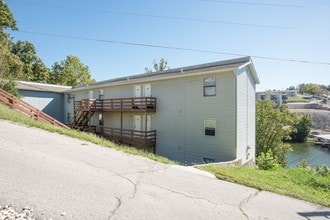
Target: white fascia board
252	70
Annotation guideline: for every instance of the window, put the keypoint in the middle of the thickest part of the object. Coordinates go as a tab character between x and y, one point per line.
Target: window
209	86
209	126
101	94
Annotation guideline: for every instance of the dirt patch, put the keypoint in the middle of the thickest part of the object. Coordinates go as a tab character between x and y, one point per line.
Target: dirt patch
321	119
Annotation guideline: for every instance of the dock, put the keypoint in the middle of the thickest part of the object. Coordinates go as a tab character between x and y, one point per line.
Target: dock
323	140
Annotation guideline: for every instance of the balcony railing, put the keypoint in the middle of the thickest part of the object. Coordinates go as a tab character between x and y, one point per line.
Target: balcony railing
132	137
119	104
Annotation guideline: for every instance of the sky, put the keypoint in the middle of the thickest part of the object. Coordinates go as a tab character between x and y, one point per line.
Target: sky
288	41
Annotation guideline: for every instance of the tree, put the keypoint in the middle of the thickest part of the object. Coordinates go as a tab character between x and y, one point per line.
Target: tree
34	69
312	89
273	126
7	19
161	66
291	88
11	68
302	125
71	72
10	64
40	72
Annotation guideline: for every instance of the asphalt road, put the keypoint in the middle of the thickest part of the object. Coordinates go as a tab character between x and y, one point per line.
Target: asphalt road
66	178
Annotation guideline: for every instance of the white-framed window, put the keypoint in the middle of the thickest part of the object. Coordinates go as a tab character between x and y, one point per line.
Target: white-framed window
101	94
209	86
209	126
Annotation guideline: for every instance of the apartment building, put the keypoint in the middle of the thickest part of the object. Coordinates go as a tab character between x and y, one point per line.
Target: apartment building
196	114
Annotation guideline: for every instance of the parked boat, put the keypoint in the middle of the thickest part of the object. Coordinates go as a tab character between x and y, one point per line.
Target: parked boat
323	140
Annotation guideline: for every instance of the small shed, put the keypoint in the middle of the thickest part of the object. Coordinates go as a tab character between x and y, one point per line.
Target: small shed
45	97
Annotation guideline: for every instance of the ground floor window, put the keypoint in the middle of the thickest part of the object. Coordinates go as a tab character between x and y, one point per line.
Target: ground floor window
209	126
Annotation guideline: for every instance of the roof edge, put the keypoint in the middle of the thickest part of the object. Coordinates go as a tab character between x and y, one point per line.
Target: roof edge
175	70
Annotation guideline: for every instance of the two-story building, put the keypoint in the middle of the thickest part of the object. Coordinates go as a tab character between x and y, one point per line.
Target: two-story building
194	114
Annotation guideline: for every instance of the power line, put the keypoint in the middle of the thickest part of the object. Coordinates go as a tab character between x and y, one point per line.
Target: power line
263	4
172	17
172	47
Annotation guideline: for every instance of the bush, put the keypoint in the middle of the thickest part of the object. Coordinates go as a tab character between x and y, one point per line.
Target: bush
9	86
323	170
304	164
302	128
267	161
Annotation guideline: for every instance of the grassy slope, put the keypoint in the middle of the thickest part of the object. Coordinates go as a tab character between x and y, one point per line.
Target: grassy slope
298	183
297	99
15	116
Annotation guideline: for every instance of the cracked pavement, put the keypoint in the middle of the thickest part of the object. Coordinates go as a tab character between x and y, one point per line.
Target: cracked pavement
56	174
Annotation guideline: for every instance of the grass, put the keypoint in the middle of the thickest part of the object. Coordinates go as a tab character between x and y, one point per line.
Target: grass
9	114
296	99
299	183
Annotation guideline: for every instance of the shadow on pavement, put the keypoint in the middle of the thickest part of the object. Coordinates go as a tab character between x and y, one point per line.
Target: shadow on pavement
309	215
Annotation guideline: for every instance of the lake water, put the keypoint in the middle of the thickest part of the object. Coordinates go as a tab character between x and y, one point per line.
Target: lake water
314	155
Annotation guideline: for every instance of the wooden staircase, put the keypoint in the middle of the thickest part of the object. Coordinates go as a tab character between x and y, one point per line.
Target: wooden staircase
27	109
83	112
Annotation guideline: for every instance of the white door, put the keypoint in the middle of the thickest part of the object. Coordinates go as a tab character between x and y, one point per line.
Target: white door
91	96
148	122
137	122
147	90
137	91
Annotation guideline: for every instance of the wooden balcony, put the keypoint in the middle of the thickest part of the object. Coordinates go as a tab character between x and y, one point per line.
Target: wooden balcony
139	139
140	104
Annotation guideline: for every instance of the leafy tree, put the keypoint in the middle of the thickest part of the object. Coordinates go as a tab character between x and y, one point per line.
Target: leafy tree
10	65
302	127
273	126
11	68
34	69
7	19
158	66
312	89
291	88
71	72
40	72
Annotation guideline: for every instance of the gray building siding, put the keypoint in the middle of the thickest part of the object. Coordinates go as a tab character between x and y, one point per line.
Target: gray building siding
182	109
251	117
180	115
49	102
245	114
179	120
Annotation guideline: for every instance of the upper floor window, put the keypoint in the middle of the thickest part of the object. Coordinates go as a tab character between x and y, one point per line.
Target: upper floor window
209	86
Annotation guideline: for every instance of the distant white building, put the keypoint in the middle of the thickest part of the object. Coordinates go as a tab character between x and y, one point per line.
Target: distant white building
277	96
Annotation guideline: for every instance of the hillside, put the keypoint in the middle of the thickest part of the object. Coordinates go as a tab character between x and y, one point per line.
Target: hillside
321	119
